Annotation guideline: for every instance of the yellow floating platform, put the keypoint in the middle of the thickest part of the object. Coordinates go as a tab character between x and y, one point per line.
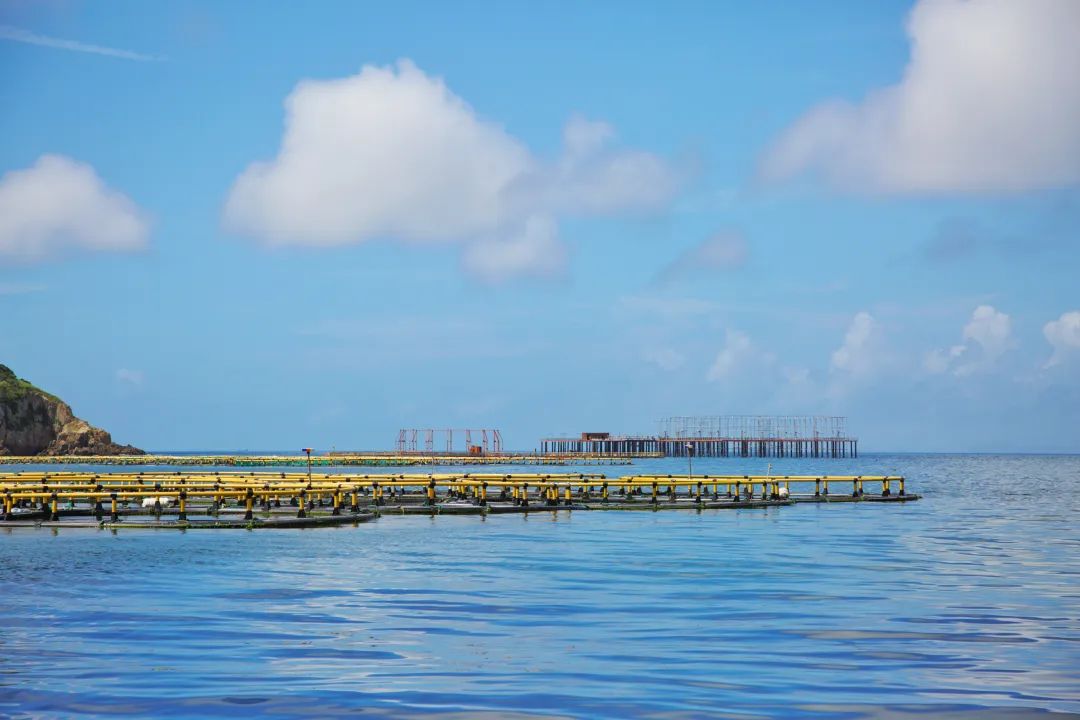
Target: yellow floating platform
34	497
331	460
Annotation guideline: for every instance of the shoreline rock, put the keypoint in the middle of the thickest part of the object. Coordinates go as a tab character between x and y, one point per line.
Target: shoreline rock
35	422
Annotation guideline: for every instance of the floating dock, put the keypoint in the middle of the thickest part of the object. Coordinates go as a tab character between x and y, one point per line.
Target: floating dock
254	500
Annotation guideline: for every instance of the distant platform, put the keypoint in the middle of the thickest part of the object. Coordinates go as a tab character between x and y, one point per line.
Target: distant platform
798	436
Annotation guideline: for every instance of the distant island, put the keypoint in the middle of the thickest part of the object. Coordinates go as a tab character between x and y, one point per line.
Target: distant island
34	422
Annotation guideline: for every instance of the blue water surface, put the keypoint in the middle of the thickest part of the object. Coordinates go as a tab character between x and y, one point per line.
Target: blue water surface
964	604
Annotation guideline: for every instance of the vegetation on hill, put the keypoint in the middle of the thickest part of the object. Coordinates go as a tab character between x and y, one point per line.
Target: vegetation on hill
15	388
34	422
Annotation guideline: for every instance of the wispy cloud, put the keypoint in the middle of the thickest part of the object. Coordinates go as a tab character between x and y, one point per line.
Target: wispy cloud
665	306
17	34
131	377
726	250
19	288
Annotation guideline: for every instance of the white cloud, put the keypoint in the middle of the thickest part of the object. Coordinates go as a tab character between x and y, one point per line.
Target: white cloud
738	353
1064	335
8	32
986	337
535	251
723	251
382	153
989	101
990	329
392	153
131	377
60	204
664	358
594	178
755	378
860	352
937	362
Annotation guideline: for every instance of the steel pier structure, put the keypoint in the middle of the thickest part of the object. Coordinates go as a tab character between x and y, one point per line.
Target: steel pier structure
815	436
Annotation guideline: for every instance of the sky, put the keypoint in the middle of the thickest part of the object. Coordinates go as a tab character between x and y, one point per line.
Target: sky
264	226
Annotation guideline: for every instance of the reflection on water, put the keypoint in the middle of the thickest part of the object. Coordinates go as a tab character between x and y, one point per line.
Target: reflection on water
964	601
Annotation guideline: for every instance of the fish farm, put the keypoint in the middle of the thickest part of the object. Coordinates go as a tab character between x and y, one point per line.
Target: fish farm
334	459
251	500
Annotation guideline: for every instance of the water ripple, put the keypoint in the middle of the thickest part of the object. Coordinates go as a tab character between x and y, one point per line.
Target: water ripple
963	605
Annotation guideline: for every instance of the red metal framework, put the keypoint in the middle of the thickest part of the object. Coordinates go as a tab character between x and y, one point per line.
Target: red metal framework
490	440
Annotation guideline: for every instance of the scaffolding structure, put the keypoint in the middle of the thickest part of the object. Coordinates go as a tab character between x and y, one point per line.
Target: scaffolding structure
772	427
721	436
488	440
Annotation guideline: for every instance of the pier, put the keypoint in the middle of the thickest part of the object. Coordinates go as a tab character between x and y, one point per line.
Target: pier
192	500
720	436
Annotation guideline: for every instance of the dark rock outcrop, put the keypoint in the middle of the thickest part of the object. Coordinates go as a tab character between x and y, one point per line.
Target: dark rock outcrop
33	422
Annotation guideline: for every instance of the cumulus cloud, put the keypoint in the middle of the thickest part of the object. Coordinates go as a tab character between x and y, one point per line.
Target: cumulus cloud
739	353
988	102
383	153
59	204
860	352
937	362
593	177
1063	335
726	250
990	329
664	358
534	251
392	153
757	378
985	338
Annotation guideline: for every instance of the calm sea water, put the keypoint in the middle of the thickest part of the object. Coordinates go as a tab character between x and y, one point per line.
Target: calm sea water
964	604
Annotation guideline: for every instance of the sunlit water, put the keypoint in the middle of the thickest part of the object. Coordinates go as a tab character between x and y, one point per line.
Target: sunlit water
966	600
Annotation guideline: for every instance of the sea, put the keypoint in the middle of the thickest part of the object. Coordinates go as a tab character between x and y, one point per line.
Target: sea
964	604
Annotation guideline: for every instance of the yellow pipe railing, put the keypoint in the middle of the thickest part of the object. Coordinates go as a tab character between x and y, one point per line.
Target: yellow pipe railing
49	488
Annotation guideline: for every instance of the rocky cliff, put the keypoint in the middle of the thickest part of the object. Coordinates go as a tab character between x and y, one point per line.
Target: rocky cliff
33	422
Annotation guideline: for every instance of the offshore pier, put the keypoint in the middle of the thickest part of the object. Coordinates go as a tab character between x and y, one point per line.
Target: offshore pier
809	436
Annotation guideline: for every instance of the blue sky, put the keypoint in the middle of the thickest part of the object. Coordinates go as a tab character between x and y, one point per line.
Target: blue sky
238	225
